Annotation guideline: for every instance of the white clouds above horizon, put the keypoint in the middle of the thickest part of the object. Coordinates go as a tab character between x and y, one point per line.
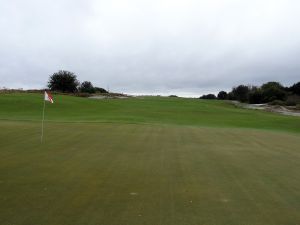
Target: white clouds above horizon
150	46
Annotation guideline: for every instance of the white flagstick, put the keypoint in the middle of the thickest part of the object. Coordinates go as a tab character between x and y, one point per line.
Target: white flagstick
47	97
43	119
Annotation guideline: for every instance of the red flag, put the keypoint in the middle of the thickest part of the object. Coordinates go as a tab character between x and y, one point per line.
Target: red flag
48	97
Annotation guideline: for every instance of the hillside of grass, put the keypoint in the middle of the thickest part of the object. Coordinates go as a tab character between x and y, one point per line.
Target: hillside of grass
150	110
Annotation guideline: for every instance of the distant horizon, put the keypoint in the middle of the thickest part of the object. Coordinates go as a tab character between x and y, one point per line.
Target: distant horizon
178	92
164	94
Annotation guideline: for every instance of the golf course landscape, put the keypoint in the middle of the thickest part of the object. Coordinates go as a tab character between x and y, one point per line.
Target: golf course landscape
146	161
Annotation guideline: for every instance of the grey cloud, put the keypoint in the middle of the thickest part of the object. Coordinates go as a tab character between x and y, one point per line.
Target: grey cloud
186	47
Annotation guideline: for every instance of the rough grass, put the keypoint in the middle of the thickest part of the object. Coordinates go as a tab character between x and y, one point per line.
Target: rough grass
157	171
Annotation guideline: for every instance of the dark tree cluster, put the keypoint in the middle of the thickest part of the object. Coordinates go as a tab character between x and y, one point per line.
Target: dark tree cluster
66	82
87	87
63	81
268	92
209	96
222	95
295	89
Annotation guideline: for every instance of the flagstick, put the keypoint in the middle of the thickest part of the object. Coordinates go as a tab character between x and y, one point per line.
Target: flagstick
43	121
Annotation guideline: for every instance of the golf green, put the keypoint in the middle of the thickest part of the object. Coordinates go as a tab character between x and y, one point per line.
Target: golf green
163	161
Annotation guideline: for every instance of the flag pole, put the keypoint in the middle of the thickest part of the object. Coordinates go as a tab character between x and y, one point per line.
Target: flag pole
43	119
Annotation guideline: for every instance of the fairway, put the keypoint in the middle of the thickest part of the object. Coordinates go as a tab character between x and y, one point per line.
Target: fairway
152	161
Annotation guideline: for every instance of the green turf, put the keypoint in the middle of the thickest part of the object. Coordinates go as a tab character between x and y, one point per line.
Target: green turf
159	161
151	110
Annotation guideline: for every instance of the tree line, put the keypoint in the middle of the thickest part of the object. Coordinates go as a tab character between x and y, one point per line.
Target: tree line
67	82
270	92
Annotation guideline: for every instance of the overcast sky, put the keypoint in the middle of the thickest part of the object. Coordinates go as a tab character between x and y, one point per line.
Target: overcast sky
186	47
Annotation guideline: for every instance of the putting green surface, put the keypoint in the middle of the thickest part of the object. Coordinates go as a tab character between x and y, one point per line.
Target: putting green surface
151	172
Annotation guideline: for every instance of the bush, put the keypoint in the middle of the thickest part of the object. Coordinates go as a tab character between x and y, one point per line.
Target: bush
100	90
277	102
274	94
84	95
272	84
273	91
87	87
294	98
209	96
290	103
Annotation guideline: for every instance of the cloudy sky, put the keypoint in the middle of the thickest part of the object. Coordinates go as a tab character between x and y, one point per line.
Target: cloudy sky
185	47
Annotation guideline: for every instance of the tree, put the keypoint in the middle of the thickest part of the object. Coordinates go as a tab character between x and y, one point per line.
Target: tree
100	90
272	84
256	96
87	87
273	91
222	95
209	96
241	93
230	96
295	89
63	81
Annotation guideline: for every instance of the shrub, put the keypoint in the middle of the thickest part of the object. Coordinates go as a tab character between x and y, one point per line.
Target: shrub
87	87
290	103
273	91
209	96
100	90
277	102
294	98
84	95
